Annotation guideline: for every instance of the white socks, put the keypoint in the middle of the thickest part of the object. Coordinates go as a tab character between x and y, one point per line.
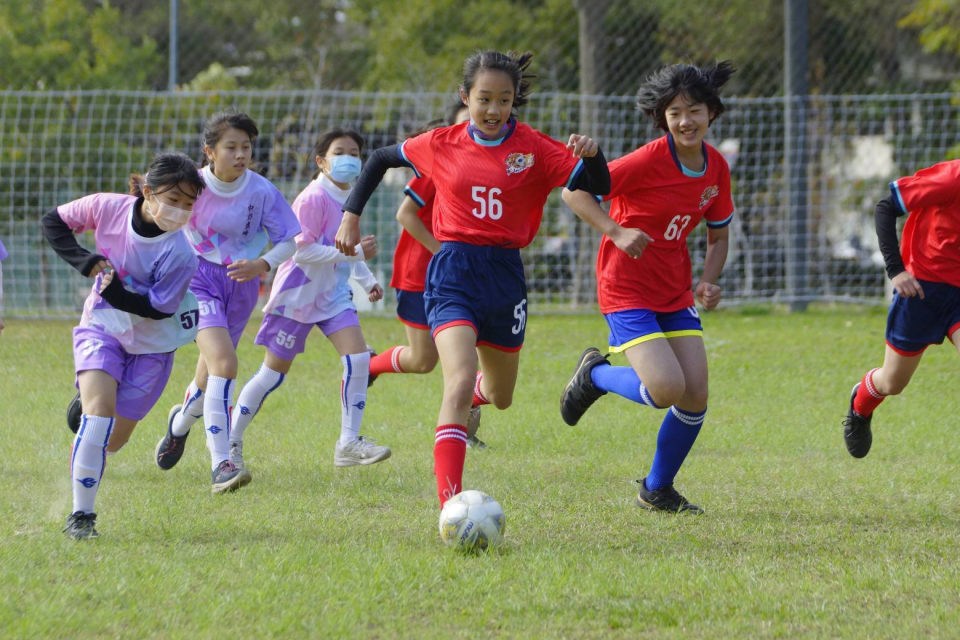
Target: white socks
190	412
217	402
88	459
264	382
353	394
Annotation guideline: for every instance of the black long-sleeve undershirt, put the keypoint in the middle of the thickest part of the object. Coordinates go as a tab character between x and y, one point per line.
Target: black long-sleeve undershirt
885	218
64	243
595	176
61	237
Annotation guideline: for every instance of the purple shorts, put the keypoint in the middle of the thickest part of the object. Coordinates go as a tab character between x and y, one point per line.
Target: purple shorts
223	302
285	337
140	378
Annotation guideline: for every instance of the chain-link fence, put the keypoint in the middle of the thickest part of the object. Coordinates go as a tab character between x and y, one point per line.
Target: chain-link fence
587	46
61	146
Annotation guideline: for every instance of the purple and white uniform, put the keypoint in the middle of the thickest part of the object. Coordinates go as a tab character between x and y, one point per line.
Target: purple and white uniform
137	352
313	287
3	256
231	226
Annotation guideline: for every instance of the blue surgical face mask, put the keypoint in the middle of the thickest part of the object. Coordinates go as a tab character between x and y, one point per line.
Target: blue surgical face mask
344	168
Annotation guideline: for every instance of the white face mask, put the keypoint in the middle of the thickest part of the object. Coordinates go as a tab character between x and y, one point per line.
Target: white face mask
344	168
167	217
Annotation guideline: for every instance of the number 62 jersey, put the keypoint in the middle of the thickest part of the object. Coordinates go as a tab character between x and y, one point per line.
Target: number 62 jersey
652	191
490	192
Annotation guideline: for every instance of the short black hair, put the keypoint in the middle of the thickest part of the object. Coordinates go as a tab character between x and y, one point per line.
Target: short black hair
513	64
700	85
326	139
167	171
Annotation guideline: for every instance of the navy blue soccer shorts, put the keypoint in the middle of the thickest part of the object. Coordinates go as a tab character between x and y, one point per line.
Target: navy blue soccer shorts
631	327
482	287
914	324
410	310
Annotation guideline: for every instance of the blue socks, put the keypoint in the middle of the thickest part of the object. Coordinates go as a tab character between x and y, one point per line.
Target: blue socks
622	381
678	432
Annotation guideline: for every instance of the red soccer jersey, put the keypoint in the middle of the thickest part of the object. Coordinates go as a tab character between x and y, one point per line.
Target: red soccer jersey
653	192
411	258
931	235
490	193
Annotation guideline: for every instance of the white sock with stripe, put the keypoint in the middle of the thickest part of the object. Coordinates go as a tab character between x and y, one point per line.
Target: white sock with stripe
216	418
353	394
264	382
190	412
88	459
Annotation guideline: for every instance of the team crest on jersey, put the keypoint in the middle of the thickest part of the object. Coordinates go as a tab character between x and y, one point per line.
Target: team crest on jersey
708	194
517	162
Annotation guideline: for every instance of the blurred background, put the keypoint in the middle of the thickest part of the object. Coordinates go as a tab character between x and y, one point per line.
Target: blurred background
831	101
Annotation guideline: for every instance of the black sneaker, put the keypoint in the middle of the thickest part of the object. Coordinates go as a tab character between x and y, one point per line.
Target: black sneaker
372	378
665	499
473	442
227	477
74	413
580	392
80	525
170	448
856	430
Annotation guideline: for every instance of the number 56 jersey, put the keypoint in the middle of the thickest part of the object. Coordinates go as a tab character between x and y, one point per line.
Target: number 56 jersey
490	192
653	192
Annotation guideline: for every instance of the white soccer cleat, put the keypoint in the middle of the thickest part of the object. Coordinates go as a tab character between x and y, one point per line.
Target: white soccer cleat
361	451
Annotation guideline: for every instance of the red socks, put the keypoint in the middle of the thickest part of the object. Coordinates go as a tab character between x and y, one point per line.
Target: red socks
448	455
867	398
386	362
478	397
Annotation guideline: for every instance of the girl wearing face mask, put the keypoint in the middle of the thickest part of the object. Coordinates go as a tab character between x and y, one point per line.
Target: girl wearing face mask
238	213
138	312
312	289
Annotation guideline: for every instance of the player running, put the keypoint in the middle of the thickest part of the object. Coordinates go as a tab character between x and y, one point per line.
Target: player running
416	246
659	194
239	211
312	289
492	177
138	312
926	278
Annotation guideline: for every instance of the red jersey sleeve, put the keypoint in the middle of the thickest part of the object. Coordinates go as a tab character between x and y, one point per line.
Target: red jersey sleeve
557	162
935	186
420	190
625	173
720	212
418	153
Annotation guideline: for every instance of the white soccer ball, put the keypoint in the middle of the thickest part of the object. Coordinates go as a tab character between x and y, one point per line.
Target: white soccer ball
471	521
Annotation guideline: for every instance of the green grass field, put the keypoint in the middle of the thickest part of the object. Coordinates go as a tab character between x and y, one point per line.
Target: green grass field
799	539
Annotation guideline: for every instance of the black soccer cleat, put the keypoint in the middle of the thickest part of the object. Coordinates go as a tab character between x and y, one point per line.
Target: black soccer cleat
666	499
74	413
170	448
856	430
371	378
80	525
580	392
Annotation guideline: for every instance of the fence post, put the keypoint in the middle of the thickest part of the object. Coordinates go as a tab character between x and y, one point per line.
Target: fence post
172	54
796	14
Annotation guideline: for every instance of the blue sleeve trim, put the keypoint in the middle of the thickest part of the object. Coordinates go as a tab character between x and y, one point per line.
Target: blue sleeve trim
719	224
403	156
414	196
898	198
599	199
577	170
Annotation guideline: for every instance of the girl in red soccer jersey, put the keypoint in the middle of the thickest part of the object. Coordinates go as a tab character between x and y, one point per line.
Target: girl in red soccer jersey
416	246
659	194
492	176
926	304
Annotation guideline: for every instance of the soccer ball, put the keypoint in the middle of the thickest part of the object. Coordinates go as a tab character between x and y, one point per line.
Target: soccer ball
471	521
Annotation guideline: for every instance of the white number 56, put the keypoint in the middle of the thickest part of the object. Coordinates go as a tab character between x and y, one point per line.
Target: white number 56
489	206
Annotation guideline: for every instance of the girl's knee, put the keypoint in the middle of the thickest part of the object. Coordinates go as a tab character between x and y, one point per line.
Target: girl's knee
501	399
422	363
667	392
